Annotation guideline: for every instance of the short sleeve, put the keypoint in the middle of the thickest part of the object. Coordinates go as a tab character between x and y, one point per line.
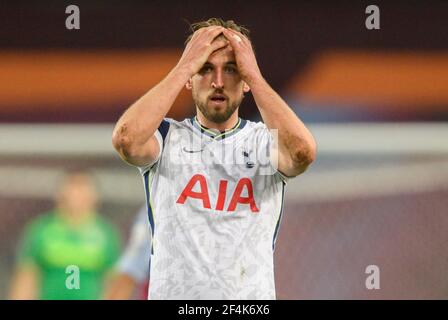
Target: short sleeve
268	151
160	134
136	258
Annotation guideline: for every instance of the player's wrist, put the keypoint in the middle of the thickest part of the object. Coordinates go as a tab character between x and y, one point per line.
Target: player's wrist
182	72
254	79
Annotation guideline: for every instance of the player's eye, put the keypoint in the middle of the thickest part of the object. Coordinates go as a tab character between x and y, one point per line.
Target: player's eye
230	70
206	69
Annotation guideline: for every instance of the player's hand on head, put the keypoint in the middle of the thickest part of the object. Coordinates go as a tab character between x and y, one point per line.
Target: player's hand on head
244	55
201	45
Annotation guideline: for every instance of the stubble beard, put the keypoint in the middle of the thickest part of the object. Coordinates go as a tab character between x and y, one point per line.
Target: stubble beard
217	117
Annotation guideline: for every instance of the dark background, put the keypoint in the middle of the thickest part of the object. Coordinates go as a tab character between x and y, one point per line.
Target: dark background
286	34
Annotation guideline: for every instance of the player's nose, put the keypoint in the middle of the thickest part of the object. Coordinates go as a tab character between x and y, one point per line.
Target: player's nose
218	81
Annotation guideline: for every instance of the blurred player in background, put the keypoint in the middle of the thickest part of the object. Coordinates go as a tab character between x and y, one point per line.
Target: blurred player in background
131	274
214	202
73	234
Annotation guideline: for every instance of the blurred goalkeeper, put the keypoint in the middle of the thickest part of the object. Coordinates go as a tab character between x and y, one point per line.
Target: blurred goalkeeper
72	234
214	183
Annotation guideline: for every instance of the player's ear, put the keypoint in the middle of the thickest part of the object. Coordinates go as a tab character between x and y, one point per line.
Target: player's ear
246	87
188	84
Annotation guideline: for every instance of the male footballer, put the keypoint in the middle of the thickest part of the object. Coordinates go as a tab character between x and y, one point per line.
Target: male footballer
214	183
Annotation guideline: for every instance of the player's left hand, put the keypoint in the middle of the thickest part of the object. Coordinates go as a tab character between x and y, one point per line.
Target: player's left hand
244	55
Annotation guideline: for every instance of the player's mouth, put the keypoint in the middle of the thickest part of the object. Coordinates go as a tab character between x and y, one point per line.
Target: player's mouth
218	99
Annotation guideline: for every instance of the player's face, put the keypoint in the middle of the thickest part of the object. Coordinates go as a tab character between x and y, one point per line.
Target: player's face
78	195
218	89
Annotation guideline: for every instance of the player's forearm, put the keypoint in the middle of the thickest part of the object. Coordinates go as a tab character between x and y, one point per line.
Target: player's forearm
140	121
294	138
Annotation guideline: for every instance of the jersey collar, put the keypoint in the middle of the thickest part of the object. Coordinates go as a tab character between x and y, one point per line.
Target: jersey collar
215	134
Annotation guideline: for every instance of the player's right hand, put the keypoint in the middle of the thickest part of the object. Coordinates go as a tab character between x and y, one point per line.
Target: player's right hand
200	47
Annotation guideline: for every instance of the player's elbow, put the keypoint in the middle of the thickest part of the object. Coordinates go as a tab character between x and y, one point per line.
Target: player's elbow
310	153
303	156
131	149
123	142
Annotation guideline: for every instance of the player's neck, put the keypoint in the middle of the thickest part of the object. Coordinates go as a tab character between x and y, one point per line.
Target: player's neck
226	125
75	218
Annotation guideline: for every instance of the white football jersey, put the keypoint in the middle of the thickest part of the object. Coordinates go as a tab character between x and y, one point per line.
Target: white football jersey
215	204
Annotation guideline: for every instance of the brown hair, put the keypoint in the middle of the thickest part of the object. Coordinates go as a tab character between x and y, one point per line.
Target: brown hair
230	24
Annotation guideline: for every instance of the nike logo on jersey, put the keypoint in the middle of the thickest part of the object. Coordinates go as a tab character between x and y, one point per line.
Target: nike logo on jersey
192	151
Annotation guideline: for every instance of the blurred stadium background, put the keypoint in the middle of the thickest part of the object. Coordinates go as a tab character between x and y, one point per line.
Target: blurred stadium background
376	101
